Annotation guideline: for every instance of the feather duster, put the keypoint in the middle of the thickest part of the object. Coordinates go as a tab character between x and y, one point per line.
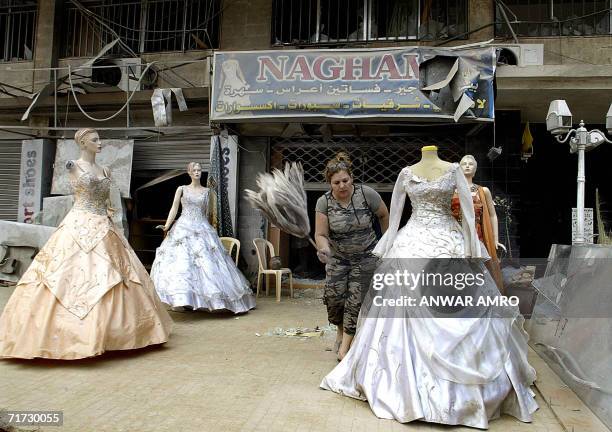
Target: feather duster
282	198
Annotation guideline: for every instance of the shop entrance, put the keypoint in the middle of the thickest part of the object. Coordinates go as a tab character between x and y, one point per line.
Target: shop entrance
159	168
376	162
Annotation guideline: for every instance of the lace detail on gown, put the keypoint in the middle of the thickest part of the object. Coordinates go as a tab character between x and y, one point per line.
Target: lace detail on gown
88	221
194	205
91	193
431	231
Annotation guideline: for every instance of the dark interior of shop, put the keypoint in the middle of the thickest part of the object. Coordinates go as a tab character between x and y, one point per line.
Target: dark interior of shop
150	207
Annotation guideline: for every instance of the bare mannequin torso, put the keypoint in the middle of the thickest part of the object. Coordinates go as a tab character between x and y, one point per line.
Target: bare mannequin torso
430	167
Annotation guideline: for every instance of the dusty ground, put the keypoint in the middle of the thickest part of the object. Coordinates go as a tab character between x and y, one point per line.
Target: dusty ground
215	374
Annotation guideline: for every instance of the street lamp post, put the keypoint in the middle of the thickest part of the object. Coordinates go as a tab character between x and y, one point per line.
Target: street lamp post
558	123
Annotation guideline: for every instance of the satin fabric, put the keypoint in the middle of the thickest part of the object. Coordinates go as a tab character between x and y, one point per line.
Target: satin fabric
86	291
410	365
191	266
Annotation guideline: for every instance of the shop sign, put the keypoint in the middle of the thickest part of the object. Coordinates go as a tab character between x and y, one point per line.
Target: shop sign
30	184
414	82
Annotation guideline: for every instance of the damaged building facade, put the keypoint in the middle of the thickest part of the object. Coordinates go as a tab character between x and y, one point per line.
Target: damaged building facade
141	72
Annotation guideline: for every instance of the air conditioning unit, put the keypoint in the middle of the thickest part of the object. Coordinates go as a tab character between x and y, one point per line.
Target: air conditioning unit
520	54
106	75
123	73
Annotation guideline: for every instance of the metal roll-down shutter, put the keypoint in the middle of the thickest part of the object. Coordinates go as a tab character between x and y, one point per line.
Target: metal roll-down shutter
10	165
171	153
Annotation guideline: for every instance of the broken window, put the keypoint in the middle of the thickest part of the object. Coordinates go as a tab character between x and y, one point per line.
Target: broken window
554	17
302	22
143	26
17	29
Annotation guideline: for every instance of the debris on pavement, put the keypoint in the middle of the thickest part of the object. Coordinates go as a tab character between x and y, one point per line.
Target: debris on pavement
300	332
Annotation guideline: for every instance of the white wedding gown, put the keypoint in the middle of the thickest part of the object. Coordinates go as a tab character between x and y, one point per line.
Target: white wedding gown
412	365
191	266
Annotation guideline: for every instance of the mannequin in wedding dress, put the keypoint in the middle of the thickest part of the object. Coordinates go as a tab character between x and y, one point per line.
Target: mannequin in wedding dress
192	270
86	291
455	366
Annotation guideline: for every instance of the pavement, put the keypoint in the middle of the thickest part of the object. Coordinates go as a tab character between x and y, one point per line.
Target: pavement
218	372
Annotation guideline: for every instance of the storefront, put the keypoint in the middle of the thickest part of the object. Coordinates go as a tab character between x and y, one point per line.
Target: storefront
380	106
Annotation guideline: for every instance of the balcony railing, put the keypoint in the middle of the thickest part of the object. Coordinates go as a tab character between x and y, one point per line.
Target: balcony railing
143	26
316	22
540	18
17	30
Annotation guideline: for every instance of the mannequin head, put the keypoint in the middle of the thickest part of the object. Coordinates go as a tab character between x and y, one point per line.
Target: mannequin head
88	140
468	165
339	175
194	169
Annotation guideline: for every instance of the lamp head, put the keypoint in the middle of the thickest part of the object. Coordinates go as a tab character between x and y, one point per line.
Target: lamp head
559	118
609	120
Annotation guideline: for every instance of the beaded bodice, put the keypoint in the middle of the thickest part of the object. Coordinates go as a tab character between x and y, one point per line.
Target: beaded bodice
431	231
91	193
431	200
194	203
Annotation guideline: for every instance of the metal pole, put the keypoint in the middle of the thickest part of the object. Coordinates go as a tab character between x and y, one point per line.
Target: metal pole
55	98
318	32
580	197
126	73
581	138
184	25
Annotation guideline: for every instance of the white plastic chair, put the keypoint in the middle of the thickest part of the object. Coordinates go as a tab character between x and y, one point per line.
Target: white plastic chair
262	246
230	243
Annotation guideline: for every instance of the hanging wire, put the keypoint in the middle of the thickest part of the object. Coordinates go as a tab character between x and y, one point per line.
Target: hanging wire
127	102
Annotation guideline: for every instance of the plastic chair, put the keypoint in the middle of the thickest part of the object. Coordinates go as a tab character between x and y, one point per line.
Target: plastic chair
230	243
262	246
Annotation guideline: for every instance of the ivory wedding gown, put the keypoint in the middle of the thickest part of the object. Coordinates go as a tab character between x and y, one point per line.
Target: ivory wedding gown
86	291
416	364
191	266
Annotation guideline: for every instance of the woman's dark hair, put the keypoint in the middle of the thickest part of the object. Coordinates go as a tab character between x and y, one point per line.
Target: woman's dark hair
340	162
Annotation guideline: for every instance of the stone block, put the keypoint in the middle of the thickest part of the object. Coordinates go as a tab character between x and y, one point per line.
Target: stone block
19	243
55	209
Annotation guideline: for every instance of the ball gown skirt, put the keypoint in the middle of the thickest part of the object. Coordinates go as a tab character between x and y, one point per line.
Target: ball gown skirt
412	365
192	268
86	291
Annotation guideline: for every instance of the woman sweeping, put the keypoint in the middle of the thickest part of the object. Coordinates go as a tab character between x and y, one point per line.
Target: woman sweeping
345	237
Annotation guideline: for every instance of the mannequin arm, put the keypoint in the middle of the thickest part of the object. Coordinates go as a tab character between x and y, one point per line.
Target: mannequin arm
174	209
472	244
322	237
492	216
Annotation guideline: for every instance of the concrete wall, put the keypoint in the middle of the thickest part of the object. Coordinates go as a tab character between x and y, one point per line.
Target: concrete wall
251	224
246	24
18	74
592	50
